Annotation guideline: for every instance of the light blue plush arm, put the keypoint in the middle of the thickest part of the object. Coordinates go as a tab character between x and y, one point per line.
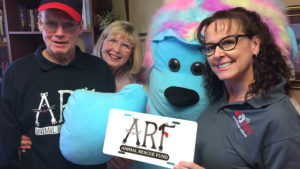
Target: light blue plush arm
86	114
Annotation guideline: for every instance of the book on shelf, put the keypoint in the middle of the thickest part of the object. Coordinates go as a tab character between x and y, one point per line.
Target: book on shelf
31	16
86	16
22	17
83	18
28	18
3	67
35	19
2	27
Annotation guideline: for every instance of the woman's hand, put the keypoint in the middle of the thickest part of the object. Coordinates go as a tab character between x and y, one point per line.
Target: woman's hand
25	143
187	165
120	163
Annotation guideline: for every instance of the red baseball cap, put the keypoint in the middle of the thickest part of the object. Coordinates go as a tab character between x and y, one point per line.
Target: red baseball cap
71	7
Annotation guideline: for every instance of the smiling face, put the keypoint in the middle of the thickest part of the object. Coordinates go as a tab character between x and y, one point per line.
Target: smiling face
235	65
116	51
60	42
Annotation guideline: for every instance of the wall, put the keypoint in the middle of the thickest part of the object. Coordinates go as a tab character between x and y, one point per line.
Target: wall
118	8
140	12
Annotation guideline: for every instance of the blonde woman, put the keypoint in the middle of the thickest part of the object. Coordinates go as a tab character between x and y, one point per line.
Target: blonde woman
119	46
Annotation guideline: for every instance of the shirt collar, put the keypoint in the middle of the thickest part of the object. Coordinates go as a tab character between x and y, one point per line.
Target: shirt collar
273	95
78	62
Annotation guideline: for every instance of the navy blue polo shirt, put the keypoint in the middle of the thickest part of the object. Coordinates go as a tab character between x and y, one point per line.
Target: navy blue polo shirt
263	132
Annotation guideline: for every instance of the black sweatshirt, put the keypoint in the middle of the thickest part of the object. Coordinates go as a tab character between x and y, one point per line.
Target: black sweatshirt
34	94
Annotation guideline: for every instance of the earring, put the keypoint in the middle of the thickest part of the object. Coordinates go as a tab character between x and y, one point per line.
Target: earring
255	55
130	59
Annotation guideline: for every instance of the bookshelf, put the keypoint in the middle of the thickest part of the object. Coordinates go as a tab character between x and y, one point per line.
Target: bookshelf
23	41
3	42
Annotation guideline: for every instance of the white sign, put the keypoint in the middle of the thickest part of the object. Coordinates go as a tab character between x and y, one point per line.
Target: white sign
150	138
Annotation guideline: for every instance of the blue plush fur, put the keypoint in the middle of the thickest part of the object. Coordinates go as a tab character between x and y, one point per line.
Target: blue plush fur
86	115
162	78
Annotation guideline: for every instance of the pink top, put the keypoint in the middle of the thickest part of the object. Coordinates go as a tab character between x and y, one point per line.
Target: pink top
122	80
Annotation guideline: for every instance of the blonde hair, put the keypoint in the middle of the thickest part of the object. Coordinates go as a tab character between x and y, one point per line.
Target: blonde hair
126	30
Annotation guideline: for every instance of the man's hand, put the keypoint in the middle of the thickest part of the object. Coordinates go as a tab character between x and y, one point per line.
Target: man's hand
120	163
25	143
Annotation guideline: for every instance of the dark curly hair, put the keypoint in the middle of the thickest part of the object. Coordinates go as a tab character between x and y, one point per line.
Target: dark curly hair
269	65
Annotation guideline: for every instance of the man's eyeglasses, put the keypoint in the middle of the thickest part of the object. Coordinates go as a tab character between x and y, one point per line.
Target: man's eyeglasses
123	46
68	27
227	43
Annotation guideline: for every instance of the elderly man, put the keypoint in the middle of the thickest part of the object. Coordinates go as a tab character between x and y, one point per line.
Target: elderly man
36	87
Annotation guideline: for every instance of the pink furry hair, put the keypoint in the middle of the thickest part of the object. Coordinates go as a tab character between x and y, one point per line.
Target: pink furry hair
183	17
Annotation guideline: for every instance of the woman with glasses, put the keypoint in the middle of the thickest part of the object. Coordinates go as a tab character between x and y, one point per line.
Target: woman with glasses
119	46
250	122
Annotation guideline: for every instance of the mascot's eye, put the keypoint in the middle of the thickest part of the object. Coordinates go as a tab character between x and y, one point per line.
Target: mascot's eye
197	68
174	65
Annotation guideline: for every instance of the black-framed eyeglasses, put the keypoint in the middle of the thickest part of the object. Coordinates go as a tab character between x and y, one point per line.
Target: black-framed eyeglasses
68	27
227	43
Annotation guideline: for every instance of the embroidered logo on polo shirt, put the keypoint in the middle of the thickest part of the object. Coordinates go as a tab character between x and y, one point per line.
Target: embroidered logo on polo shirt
243	123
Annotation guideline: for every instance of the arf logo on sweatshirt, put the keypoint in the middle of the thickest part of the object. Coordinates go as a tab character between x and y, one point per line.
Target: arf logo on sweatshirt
243	123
